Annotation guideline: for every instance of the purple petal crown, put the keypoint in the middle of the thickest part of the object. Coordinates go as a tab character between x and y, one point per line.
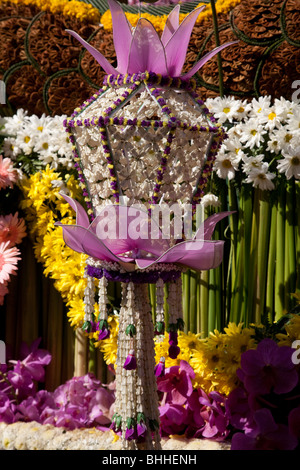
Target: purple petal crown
140	49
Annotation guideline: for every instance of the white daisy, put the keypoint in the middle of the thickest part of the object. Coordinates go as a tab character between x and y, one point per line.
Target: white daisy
290	164
10	149
25	141
261	178
252	133
224	109
293	120
260	106
226	166
13	124
285	138
252	163
233	146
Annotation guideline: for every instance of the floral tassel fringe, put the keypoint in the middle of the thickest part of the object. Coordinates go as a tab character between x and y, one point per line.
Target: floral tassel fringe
102	317
175	316
89	302
136	417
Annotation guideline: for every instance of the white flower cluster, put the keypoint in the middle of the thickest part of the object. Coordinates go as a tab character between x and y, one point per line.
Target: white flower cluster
43	138
263	139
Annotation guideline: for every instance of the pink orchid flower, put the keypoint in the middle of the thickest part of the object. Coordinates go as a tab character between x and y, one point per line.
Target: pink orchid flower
144	251
140	49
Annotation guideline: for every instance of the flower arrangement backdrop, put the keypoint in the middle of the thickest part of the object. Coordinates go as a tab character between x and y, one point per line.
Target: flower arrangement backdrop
233	314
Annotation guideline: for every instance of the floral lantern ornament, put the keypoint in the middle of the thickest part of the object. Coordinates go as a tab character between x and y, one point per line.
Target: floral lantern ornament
144	138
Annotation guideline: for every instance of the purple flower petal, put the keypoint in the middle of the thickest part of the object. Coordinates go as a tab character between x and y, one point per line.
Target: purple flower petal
130	362
146	52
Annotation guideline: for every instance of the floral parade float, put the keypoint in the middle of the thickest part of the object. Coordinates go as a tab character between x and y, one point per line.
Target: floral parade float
132	142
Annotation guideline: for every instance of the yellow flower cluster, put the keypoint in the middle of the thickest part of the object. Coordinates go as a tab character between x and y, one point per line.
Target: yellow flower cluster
222	6
215	359
80	10
43	207
292	332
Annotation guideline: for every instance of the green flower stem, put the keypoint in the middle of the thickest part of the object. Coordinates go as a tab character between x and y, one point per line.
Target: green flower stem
186	300
152	296
253	257
297	230
262	255
193	302
246	199
234	234
280	241
271	265
203	302
211	301
290	245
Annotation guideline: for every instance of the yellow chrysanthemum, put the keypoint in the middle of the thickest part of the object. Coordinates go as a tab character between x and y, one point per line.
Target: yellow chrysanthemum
222	6
292	334
82	11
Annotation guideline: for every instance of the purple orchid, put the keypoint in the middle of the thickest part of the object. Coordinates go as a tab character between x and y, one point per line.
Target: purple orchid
177	383
238	410
173	419
6	412
268	368
266	435
200	253
208	417
140	49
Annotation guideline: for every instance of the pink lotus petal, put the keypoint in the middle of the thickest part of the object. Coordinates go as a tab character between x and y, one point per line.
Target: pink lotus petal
172	24
207	228
107	67
146	52
206	58
122	35
176	47
81	216
198	255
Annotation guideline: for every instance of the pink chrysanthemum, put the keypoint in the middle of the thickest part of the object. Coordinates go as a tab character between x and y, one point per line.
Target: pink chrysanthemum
8	174
12	229
8	261
3	292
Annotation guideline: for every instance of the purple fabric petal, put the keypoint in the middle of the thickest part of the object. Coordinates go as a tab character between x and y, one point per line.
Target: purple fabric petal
81	240
205	59
81	216
206	229
177	45
122	35
107	67
146	52
171	25
128	229
198	255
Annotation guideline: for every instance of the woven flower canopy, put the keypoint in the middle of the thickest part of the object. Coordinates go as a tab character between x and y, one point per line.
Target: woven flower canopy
144	138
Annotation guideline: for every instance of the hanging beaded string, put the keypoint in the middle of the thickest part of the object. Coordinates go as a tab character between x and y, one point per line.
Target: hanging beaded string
89	301
104	331
175	316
